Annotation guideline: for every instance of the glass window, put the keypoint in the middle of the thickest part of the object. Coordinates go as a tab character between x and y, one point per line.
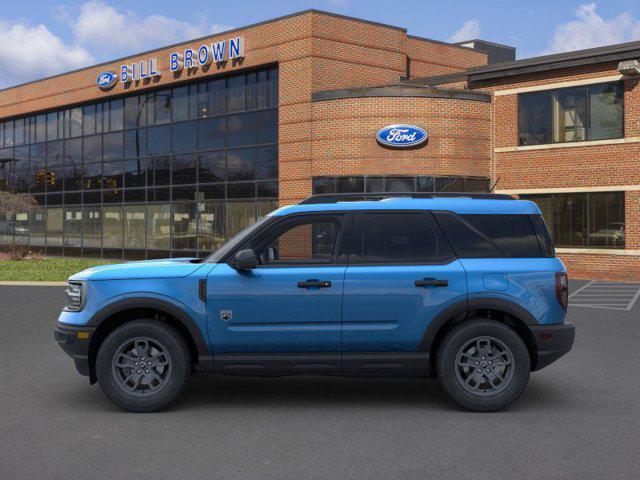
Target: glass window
130	115
425	184
211	167
21	169
55	172
112	146
273	88
235	93
102	120
570	115
268	126
112	227
350	184
134	173
606	111
92	149
210	225
250	91
180	104
41	128
534	118
112	175
158	171
513	234
241	129
73	227
158	226
399	184
116	115
92	227
449	184
267	163
89	124
467	240
184	137
54	227
19	132
324	185
240	214
134	226
158	140
592	112
401	238
184	169
268	189
261	89
215	97
37	168
75	122
581	220
162	106
92	176
241	190
241	164
8	134
211	133
135	143
311	241
184	226
37	226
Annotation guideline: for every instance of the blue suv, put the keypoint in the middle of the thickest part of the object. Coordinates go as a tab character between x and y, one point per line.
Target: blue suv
463	288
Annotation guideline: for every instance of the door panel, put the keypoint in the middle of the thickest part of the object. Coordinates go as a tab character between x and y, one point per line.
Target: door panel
384	311
265	311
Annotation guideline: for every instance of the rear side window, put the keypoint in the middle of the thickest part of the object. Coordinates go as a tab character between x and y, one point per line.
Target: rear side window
490	236
400	238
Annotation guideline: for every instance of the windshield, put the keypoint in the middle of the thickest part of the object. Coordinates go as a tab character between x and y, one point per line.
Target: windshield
235	241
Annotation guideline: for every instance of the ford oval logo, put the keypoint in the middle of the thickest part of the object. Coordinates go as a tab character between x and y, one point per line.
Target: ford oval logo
106	80
401	136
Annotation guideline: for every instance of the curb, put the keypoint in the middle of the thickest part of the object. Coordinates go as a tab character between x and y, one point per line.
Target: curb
34	284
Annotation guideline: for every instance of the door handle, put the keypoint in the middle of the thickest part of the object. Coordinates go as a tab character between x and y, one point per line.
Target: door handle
314	283
431	282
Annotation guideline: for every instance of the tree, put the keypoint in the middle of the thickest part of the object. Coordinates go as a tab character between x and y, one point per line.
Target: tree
15	202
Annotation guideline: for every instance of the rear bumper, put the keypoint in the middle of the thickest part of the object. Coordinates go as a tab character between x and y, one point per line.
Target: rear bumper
75	343
552	342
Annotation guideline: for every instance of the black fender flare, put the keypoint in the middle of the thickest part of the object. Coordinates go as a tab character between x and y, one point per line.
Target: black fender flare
155	304
465	306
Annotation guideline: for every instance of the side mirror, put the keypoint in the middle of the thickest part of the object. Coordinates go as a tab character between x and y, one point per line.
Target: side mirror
245	260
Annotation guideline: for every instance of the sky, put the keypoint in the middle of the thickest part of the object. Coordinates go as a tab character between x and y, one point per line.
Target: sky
39	38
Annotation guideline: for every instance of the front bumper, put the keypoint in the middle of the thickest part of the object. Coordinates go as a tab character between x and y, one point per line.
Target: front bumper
75	340
552	342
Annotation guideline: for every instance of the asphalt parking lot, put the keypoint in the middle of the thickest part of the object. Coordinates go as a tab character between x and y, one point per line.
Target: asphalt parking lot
578	419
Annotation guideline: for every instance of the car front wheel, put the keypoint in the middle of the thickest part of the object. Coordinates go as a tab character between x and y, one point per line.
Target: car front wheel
483	365
143	366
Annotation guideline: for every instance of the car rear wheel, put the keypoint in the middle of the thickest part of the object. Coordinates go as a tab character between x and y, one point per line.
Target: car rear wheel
143	366
483	365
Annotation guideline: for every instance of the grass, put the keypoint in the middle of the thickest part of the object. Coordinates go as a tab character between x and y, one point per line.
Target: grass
47	269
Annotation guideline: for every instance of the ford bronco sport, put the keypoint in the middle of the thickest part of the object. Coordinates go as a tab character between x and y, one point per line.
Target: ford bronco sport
464	288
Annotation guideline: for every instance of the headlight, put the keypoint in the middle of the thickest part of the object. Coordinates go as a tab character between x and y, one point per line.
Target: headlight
75	297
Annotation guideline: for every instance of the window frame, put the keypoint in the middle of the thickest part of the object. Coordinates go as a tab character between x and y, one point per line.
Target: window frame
552	92
355	258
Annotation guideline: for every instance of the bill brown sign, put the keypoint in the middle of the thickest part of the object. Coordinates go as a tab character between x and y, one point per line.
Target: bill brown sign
189	59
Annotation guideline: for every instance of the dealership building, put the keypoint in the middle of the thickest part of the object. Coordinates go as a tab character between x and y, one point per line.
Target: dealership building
172	151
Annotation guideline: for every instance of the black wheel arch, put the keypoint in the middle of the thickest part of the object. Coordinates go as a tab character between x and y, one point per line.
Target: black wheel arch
129	309
504	311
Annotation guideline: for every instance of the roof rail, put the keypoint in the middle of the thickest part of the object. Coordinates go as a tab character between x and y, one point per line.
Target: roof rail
355	197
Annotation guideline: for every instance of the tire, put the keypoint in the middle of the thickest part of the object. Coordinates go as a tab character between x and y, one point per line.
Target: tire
502	360
140	383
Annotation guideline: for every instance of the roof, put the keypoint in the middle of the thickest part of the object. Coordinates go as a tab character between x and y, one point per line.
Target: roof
590	56
457	205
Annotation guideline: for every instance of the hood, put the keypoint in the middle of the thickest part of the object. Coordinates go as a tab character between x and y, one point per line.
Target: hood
165	268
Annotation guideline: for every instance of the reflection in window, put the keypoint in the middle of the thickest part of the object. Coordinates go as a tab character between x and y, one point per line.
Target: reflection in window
158	226
112	227
73	227
591	112
92	227
134	226
240	214
210	225
376	184
581	220
184	226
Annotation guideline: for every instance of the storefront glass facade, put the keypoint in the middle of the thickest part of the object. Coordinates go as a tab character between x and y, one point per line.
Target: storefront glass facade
173	172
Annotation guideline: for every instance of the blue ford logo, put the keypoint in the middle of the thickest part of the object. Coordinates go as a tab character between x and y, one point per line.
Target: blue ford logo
106	80
401	136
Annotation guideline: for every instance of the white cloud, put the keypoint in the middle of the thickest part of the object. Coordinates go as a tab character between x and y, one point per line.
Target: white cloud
107	31
29	52
469	31
591	30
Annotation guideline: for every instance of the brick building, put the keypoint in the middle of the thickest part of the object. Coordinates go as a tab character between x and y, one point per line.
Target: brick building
171	151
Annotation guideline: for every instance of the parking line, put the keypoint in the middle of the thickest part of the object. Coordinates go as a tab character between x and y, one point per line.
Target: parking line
611	296
634	300
582	288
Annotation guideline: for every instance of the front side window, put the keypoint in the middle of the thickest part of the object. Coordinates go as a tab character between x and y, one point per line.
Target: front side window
591	112
400	238
309	241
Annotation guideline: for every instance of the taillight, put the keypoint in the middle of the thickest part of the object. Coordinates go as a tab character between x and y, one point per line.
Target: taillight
562	289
